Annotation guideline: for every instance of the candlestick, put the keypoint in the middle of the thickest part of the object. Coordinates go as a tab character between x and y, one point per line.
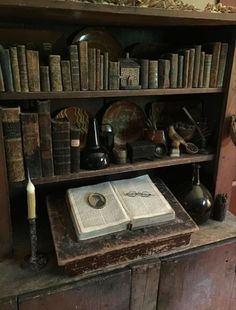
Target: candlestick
31	201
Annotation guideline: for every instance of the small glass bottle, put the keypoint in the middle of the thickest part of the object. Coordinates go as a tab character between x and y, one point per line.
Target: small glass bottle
196	199
94	155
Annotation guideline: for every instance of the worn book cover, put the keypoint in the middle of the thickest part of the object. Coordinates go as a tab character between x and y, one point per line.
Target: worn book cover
44	78
31	144
66	75
109	207
2	86
23	68
144	73
32	58
75	67
92	68
152	74
164	73
55	72
44	118
5	62
61	146
197	62
201	69
15	68
13	143
83	61
222	64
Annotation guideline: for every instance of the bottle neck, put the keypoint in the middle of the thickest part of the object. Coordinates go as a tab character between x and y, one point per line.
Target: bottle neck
196	176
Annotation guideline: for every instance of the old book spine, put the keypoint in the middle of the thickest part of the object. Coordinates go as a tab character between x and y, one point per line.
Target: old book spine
75	149
196	65
23	68
101	71
75	70
44	78
106	71
98	68
222	64
2	86
180	71
32	58
215	63
13	143
201	70
92	68
44	52
66	75
163	73
186	68
44	118
83	59
191	67
207	70
55	72
114	75
153	74
144	73
6	69
15	69
31	144
61	146
173	70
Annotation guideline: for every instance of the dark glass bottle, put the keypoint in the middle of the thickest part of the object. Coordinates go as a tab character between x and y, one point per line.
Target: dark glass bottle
196	199
94	155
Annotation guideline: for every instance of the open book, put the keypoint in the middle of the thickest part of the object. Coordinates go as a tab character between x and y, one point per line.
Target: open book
108	207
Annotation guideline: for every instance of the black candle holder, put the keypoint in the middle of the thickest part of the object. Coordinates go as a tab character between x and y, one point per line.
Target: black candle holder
34	261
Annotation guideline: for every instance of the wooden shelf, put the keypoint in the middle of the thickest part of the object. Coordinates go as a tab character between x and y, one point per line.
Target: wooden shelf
106	93
122	168
97	14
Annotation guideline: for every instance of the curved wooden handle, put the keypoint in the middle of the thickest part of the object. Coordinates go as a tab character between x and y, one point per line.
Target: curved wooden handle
233	129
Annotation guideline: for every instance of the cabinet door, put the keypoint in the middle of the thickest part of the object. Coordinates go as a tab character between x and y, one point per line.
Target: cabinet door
200	280
107	292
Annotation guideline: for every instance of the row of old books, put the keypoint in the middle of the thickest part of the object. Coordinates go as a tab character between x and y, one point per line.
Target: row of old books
90	69
38	145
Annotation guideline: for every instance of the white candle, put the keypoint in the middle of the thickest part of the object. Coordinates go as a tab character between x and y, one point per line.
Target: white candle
31	201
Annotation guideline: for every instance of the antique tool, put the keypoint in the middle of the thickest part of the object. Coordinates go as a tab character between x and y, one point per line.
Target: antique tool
177	140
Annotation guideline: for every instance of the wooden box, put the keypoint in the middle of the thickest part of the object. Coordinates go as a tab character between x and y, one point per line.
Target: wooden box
140	150
116	249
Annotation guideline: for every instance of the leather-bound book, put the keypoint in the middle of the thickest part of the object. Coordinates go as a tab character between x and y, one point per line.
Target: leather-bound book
92	68
75	149
144	73
75	70
180	71
2	86
44	78
186	68
13	143
98	68
23	68
55	72
114	75
216	48
101	71
44	118
31	144
153	74
32	58
106	71
191	67
61	146
6	68
15	68
201	70
207	70
173	70
66	75
197	62
222	64
163	73
83	58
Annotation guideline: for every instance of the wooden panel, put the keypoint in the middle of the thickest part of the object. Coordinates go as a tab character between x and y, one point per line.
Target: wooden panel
232	205
8	303
227	157
105	292
5	219
199	280
145	279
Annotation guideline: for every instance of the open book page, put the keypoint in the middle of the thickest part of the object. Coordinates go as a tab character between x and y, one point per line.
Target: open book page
146	210
92	222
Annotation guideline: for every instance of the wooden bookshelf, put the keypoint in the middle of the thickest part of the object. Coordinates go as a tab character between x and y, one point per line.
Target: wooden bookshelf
107	93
